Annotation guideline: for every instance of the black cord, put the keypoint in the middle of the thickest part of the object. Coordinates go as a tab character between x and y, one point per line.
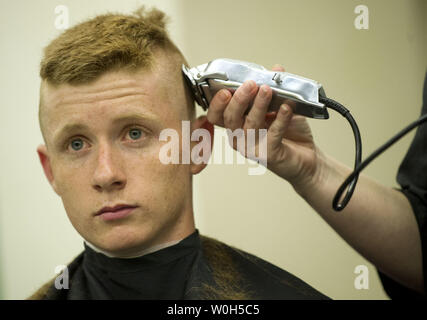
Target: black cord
332	104
376	153
351	180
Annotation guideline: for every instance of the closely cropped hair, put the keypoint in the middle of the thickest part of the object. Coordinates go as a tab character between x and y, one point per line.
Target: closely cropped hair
107	42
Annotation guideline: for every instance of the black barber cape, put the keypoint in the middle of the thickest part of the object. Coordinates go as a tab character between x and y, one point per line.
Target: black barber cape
197	267
162	274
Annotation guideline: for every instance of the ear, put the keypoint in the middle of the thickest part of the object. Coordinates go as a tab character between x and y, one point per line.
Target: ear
47	168
201	123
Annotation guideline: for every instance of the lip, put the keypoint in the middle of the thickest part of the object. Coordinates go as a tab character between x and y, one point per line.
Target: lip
116	212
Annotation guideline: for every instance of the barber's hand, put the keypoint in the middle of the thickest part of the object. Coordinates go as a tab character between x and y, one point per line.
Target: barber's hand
291	152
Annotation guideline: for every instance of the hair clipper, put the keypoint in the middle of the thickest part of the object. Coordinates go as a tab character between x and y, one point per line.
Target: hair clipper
300	93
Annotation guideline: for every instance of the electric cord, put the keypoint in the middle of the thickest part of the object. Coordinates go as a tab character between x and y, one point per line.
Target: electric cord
334	105
351	180
376	153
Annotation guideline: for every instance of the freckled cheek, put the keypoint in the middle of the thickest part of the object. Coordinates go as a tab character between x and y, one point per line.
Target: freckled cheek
72	175
167	190
149	167
156	181
73	187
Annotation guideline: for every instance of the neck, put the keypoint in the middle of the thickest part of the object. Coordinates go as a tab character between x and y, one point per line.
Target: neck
136	254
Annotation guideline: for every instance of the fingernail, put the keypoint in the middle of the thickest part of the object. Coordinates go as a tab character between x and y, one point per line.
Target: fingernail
263	91
223	95
285	109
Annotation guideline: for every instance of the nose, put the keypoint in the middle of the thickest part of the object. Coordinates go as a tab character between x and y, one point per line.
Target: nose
108	174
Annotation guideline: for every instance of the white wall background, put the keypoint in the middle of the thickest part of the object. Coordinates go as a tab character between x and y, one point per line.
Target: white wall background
378	73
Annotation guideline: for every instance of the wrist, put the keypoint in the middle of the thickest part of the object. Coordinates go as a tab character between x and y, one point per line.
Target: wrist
324	175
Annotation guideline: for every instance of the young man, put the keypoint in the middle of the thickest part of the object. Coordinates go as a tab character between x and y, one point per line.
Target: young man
109	87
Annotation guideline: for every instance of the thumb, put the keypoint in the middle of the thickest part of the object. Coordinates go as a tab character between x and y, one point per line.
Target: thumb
278	67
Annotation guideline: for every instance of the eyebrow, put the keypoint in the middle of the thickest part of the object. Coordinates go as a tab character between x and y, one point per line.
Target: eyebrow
72	127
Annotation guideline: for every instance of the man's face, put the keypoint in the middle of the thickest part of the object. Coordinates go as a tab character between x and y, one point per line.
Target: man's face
103	150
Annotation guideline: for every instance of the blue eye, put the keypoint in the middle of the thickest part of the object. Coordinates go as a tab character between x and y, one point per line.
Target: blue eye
135	134
77	144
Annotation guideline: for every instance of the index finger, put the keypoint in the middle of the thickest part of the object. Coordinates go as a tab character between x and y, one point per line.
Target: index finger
217	106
